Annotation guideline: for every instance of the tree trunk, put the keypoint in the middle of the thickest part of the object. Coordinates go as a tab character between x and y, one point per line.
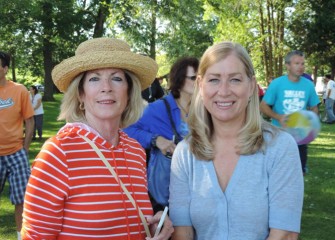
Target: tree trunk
270	32
101	18
332	69
315	74
99	25
264	48
47	52
281	27
47	61
13	68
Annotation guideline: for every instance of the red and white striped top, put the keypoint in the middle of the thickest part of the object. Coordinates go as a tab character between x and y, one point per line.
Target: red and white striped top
72	195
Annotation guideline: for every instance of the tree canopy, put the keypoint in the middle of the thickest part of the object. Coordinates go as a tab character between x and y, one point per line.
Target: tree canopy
40	33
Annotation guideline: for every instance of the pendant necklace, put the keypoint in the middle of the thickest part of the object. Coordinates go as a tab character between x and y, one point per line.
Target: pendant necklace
182	108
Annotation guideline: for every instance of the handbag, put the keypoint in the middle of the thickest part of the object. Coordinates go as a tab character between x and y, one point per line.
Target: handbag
132	200
159	168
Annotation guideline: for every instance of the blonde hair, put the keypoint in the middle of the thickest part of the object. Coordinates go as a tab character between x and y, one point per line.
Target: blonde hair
70	108
250	137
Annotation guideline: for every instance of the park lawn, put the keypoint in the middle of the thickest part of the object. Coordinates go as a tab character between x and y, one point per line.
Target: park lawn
318	218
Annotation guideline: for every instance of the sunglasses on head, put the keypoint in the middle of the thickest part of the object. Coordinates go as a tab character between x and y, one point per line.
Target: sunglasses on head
192	77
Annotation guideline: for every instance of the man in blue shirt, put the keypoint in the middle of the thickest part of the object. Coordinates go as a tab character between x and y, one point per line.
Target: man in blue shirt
290	93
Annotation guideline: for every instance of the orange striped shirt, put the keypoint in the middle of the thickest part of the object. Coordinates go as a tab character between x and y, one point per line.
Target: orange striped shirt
72	195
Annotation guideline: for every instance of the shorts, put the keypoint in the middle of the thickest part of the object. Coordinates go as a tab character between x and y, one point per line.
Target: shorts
16	168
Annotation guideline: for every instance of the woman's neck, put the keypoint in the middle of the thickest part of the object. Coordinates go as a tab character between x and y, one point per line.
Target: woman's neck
227	130
3	81
183	102
107	129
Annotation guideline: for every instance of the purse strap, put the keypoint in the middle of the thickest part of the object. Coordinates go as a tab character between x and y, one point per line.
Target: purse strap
167	105
132	200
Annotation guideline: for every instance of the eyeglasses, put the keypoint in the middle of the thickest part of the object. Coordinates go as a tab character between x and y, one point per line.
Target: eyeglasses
192	77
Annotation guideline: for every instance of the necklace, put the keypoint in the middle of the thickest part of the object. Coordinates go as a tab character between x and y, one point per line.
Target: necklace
182	108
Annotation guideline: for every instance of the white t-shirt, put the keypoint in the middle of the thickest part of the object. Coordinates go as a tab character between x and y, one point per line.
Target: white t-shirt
34	101
331	86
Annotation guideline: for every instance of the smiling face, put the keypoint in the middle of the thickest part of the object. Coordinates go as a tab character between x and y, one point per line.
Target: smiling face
225	89
105	96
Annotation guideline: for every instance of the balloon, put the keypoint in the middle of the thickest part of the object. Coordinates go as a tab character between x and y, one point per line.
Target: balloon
303	125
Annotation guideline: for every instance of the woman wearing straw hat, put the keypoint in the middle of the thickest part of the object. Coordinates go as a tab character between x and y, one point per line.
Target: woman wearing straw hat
89	181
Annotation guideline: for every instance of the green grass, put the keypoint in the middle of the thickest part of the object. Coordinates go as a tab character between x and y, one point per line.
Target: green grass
318	218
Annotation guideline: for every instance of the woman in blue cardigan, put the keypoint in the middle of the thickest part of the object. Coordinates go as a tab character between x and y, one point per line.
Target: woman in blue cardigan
163	125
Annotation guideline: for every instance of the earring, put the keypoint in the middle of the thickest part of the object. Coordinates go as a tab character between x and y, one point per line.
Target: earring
82	106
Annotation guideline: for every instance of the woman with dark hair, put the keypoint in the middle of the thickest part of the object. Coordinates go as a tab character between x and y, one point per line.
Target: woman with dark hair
36	100
164	124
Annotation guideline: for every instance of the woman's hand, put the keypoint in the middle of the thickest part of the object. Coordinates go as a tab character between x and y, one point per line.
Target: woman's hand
276	234
165	145
167	229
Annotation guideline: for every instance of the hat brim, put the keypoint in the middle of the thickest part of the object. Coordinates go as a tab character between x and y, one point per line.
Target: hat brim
145	68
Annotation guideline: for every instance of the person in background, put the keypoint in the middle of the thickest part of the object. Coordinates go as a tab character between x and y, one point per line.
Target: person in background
89	181
155	128
153	92
324	90
290	93
235	176
329	99
307	76
270	79
260	92
36	100
15	110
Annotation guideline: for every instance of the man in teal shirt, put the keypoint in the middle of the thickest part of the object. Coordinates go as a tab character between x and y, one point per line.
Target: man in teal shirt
291	93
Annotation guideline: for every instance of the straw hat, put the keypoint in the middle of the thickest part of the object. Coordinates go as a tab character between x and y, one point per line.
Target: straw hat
100	53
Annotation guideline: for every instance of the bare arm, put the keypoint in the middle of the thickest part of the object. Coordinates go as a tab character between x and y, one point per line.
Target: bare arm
266	109
38	104
29	129
183	233
276	234
328	93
